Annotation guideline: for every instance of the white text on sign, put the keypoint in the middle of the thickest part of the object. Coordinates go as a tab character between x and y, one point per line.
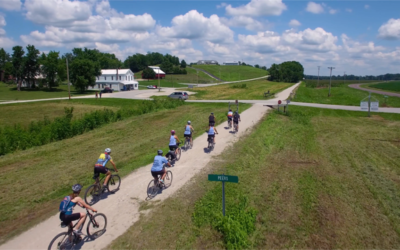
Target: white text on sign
222	178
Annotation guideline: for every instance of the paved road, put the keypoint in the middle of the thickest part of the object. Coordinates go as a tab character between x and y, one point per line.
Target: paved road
358	86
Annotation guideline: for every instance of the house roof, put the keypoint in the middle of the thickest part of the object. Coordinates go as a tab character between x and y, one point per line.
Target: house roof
114	71
159	71
154	67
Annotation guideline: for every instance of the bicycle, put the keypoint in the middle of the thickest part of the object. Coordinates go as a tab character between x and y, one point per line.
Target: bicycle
67	240
178	154
229	123
154	187
188	143
235	127
211	143
93	192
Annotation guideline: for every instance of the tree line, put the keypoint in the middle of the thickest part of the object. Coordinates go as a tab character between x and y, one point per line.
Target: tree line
385	77
84	65
286	72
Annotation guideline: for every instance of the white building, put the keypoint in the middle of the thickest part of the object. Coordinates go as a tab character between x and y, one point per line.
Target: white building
117	79
230	63
212	62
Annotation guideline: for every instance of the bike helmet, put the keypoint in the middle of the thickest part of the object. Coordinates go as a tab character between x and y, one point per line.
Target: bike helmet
230	109
189	122
77	188
236	112
160	152
172	132
212	113
107	150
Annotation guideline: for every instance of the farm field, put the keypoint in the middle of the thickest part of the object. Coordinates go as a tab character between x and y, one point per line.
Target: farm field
335	83
393	86
10	93
315	179
253	90
233	73
340	94
133	141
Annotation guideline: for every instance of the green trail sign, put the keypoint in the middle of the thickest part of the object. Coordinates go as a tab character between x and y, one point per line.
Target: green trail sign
227	178
223	178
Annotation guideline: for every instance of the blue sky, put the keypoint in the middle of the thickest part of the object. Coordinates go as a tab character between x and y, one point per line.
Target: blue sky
359	37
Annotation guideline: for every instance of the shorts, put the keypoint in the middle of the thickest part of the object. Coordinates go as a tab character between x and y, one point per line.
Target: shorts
102	170
172	148
190	136
211	123
229	118
211	136
236	122
70	217
155	174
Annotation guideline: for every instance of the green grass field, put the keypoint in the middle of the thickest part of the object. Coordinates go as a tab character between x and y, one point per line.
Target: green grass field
341	95
34	180
386	86
316	179
233	73
252	90
334	83
10	93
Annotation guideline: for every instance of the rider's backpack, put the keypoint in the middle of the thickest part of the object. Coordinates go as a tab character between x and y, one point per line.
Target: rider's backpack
64	204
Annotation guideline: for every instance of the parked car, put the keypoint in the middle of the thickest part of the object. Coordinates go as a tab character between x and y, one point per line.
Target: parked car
152	87
179	95
107	90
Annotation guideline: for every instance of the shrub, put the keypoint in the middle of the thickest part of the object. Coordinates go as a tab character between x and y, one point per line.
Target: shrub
239	86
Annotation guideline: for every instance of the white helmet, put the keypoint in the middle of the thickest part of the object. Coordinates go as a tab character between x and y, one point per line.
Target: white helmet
189	122
107	150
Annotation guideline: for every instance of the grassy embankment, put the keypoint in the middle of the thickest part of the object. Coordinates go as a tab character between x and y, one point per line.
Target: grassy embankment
10	92
175	80
233	73
33	181
317	178
253	90
392	86
340	94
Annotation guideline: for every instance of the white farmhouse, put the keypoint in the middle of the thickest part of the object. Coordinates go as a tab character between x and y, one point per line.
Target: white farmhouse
117	79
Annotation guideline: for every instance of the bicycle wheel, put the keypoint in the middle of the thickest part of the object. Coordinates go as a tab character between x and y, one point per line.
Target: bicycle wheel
92	194
114	183
62	241
152	189
97	226
168	179
178	155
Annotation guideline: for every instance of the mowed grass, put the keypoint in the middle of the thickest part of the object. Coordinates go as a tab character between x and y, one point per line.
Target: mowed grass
34	181
387	86
10	93
318	179
233	73
252	90
341	95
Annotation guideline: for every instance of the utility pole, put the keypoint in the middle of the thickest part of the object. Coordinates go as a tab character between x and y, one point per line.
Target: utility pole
69	93
330	81
344	76
318	75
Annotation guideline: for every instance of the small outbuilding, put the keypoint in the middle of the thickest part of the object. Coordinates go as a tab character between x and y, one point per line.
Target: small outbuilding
159	73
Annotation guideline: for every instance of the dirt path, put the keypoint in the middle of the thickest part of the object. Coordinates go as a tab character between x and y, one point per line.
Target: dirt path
122	208
358	86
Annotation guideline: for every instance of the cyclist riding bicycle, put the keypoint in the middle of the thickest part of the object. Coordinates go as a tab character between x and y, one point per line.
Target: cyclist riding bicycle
211	120
100	166
211	133
67	205
158	166
188	131
236	119
173	142
230	114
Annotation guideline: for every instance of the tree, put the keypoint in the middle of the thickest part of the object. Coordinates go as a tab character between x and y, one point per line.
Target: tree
286	72
4	64
51	68
83	73
167	67
264	68
149	73
18	64
32	65
257	66
183	64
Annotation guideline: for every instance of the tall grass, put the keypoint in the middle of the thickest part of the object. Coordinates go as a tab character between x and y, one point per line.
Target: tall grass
39	133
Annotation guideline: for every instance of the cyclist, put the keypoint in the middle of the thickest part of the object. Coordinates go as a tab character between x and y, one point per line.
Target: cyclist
236	119
67	205
158	166
188	131
173	142
100	166
211	120
211	133
230	114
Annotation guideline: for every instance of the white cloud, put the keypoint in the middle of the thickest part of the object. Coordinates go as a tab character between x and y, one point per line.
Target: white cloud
294	23
258	8
317	40
222	5
134	23
2	21
194	25
390	30
366	6
314	8
333	11
10	4
354	47
244	21
4	40
349	10
104	9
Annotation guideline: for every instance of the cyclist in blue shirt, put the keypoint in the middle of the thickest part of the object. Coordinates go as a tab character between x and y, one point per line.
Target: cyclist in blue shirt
211	132
188	132
100	166
173	142
158	166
